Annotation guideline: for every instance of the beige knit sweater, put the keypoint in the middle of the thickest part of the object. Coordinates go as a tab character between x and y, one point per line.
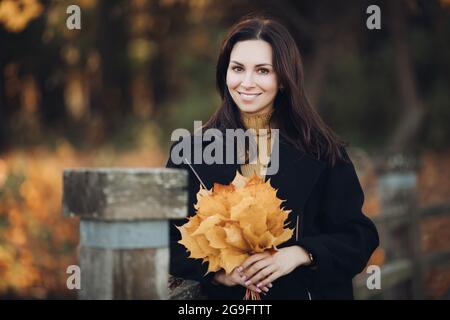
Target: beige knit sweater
264	146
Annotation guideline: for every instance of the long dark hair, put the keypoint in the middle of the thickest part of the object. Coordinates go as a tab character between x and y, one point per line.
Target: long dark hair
299	123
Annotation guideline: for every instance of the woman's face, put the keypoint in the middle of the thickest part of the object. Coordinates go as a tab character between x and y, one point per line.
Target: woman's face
251	79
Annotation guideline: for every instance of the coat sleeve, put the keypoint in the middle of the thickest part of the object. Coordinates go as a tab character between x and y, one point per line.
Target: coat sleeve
348	238
180	264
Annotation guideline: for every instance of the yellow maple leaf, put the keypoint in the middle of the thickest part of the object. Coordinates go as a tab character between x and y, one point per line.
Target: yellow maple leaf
191	245
213	264
207	205
235	237
232	258
208	223
217	237
205	247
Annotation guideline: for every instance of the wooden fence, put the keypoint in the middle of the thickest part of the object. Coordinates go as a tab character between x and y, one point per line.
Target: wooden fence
124	234
399	226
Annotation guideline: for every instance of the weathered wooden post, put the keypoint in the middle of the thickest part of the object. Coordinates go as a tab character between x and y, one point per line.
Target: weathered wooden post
401	233
124	230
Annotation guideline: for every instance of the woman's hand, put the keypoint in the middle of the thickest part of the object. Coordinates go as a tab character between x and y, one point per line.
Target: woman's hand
236	278
263	268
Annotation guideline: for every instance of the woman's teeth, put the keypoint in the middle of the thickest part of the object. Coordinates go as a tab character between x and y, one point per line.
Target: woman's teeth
248	96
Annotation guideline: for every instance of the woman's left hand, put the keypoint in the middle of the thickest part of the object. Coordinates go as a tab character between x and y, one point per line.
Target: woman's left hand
263	268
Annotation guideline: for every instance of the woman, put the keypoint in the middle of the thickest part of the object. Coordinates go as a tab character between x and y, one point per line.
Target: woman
260	80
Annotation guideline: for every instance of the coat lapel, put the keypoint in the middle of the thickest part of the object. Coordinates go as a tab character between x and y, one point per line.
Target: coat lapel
297	175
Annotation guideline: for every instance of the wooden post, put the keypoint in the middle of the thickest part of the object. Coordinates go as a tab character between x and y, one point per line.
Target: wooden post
124	230
401	235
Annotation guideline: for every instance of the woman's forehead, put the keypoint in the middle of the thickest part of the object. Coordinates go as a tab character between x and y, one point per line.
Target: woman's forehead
252	52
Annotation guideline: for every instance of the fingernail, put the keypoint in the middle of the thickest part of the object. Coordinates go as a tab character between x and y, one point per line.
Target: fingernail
239	269
270	285
266	289
248	282
259	291
258	285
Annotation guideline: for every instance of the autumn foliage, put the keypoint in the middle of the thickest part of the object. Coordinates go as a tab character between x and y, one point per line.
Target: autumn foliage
234	221
37	242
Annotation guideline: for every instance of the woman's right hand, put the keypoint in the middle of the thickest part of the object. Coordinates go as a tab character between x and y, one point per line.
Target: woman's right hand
237	278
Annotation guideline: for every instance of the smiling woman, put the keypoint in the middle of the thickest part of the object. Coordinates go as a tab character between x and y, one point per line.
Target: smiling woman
251	80
260	80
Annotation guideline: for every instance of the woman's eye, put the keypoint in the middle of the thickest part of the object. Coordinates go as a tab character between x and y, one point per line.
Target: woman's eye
260	71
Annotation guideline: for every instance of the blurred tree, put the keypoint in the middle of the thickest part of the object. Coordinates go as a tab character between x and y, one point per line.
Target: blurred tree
154	61
413	109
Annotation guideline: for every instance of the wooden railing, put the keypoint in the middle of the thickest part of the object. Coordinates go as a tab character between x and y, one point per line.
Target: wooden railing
402	276
124	234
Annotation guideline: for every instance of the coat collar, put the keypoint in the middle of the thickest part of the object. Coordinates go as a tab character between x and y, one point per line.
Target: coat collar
297	171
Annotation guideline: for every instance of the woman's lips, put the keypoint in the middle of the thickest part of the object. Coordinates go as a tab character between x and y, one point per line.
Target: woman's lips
248	97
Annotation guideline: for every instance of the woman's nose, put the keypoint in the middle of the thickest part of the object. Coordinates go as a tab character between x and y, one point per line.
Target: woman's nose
248	80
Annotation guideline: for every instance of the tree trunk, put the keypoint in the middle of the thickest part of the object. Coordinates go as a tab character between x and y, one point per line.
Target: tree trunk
413	108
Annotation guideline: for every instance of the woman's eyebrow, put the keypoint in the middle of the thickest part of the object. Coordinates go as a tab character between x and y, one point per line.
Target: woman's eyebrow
258	65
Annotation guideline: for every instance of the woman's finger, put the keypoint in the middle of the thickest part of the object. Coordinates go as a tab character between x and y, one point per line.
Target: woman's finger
262	274
251	271
252	259
240	279
268	281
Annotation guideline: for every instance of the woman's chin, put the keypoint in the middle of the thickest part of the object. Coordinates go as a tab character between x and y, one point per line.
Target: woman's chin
252	109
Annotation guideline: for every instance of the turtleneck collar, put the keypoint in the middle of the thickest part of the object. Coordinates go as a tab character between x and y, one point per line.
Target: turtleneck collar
258	121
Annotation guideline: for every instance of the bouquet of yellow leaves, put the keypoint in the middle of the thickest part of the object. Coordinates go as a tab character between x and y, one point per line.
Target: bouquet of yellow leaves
233	222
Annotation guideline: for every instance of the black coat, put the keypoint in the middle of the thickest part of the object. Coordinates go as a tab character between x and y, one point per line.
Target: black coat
328	201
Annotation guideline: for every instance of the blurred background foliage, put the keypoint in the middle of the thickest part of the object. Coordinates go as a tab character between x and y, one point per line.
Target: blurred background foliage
111	93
